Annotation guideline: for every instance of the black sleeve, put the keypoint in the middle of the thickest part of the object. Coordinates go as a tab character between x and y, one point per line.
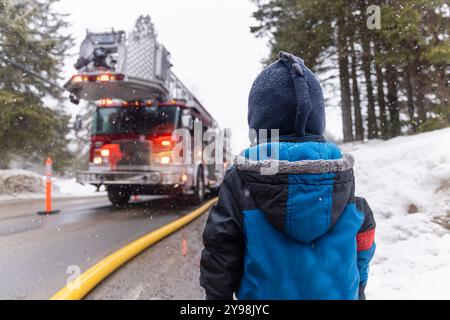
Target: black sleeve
221	264
362	293
369	219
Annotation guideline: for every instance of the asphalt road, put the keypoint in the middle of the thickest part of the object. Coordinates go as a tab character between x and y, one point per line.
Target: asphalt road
163	272
36	251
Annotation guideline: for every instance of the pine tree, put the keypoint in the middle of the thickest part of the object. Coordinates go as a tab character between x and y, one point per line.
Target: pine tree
31	34
409	58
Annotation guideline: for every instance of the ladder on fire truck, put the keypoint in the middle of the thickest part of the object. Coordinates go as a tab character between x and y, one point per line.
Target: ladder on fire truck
136	67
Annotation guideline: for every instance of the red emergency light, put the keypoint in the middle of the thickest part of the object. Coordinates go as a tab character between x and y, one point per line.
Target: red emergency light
104	77
77	79
107	102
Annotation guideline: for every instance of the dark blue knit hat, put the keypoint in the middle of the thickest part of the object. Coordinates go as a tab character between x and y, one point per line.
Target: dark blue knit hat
287	96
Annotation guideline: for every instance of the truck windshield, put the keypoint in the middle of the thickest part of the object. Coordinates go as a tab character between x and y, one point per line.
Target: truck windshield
135	120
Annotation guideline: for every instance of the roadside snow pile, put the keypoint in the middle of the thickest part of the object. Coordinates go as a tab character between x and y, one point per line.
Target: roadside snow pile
70	187
20	182
407	183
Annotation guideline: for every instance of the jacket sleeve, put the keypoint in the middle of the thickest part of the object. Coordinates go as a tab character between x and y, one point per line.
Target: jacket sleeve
221	264
366	244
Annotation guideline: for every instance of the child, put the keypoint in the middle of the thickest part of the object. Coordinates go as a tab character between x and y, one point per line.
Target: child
300	233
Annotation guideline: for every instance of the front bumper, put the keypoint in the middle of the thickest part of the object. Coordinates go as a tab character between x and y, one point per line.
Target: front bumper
129	178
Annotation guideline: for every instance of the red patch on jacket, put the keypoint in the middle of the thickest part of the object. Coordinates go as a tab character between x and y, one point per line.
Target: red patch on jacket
365	239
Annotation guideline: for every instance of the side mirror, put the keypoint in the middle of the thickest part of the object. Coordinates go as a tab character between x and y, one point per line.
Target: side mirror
78	124
187	121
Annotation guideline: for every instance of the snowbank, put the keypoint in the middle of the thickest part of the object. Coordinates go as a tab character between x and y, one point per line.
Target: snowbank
24	184
70	187
407	183
20	183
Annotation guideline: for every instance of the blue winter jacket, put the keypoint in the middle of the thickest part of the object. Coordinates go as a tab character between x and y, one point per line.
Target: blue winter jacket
297	234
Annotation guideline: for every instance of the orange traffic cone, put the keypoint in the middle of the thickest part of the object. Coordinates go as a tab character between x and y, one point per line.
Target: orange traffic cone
48	188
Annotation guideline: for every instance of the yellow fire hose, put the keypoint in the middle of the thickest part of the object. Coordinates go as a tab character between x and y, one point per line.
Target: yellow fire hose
80	287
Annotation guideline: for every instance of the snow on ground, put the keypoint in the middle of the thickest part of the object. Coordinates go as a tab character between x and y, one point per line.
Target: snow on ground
69	187
407	183
24	184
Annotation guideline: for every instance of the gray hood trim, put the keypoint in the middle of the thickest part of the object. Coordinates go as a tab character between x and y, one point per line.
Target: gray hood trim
296	167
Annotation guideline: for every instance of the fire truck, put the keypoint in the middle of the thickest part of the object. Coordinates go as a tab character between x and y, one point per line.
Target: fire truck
140	103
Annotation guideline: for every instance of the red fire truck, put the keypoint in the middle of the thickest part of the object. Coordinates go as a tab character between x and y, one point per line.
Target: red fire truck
140	104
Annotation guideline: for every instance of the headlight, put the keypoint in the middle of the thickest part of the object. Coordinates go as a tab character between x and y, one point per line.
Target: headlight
105	153
165	160
98	160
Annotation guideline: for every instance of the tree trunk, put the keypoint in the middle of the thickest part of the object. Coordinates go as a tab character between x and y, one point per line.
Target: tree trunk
443	89
347	123
372	127
384	127
359	129
392	97
419	85
410	97
420	94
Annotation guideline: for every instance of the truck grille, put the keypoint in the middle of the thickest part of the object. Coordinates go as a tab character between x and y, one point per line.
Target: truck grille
135	155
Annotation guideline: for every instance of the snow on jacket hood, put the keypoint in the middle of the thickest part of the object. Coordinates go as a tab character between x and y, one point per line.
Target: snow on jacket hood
307	195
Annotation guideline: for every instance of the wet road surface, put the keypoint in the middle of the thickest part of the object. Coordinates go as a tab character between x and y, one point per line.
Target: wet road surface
36	251
163	271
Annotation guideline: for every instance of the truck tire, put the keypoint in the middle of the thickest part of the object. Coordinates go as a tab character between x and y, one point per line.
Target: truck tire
118	195
199	189
214	192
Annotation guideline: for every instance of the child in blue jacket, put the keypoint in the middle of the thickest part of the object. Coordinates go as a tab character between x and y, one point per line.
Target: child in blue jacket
300	233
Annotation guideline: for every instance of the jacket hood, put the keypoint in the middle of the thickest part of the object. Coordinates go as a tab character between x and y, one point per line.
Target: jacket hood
302	192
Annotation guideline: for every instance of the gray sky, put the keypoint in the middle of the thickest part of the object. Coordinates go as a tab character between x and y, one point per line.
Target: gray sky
212	49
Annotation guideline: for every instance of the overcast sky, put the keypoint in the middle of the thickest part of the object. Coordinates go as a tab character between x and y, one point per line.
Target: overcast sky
212	49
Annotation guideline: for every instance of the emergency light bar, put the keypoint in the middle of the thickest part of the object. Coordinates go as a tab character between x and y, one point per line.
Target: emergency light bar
108	102
105	77
123	103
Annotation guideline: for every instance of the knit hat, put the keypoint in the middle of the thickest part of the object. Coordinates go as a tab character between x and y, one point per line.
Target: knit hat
287	96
